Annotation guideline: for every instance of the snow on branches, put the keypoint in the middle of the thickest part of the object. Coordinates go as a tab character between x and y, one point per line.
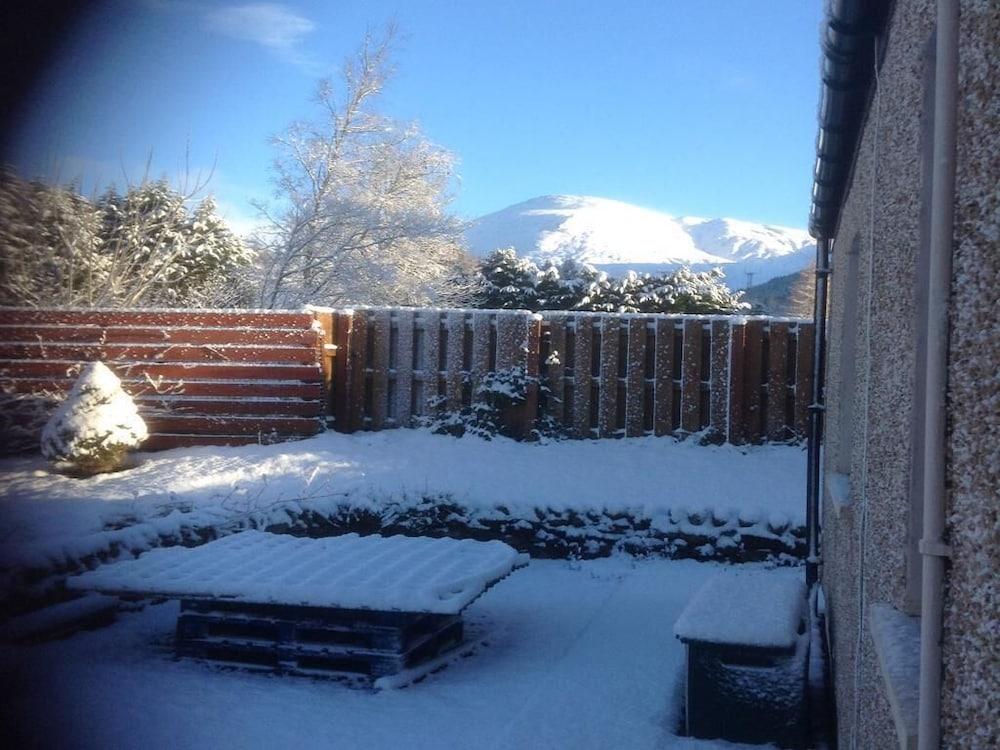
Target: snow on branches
360	214
143	248
508	282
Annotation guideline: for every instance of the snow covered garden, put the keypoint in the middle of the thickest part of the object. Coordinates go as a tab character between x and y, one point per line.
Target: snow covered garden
574	651
594	545
119	562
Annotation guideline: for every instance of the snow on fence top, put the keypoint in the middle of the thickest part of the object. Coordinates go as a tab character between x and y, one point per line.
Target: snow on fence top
735	319
396	573
759	609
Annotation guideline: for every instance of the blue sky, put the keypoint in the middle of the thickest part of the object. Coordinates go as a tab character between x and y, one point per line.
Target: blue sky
696	108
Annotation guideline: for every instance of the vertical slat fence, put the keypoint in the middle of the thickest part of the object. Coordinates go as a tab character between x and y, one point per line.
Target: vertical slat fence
735	379
635	378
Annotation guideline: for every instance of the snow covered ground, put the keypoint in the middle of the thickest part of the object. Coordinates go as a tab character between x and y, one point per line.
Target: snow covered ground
559	655
48	517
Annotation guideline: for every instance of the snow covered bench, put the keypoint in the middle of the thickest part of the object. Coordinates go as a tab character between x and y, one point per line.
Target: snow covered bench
358	605
747	646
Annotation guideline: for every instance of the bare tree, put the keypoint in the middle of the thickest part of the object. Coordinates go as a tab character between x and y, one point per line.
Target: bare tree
361	211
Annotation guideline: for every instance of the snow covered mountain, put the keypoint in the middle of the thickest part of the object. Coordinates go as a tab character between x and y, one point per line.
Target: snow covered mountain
617	237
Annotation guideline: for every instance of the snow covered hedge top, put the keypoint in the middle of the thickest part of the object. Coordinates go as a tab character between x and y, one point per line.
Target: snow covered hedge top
396	573
762	609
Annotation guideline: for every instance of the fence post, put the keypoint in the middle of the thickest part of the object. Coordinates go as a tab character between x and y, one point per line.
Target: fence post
455	360
635	378
803	376
381	324
663	376
777	379
691	376
431	372
607	415
719	379
753	371
582	378
404	366
482	346
737	383
532	344
356	379
327	357
557	367
343	323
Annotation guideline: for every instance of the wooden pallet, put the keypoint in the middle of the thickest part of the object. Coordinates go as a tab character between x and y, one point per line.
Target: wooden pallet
357	644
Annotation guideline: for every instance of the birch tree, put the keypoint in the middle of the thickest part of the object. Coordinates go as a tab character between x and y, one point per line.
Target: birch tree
360	212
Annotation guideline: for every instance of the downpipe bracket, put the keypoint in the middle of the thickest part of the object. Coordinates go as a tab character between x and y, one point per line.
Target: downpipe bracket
933	548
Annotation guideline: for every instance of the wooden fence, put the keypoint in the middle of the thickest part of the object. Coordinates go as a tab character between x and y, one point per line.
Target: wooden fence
747	378
230	377
199	377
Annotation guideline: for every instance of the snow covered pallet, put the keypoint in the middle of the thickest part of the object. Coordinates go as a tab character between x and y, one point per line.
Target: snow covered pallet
365	606
314	640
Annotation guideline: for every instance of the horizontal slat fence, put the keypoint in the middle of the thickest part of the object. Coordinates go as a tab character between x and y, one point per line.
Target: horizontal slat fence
198	377
605	375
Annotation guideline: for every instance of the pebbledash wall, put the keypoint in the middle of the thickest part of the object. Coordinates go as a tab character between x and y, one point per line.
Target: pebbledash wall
872	461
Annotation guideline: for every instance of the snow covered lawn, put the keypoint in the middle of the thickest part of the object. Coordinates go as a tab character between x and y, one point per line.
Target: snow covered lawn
560	655
48	517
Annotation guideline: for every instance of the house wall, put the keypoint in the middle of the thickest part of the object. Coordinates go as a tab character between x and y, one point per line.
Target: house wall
871	416
971	710
868	433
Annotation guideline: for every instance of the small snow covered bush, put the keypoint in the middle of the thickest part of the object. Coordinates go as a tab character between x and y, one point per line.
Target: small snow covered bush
97	424
493	410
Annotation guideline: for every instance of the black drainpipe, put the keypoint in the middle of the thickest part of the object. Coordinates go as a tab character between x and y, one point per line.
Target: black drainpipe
816	409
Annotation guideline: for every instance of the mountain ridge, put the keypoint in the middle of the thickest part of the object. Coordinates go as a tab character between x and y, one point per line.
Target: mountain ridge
616	237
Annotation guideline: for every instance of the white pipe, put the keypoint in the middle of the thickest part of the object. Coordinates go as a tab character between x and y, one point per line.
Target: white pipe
932	546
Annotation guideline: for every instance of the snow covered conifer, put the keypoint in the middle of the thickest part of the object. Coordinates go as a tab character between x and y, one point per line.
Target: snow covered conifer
507	282
96	425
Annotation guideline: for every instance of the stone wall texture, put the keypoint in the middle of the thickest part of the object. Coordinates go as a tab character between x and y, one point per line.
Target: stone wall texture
864	542
971	691
883	220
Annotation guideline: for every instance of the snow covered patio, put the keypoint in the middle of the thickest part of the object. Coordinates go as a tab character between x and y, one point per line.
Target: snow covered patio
562	655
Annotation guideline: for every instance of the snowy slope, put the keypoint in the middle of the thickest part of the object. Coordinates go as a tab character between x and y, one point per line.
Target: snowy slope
617	236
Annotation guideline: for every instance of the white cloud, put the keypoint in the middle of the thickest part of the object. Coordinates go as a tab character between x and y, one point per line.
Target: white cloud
275	27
